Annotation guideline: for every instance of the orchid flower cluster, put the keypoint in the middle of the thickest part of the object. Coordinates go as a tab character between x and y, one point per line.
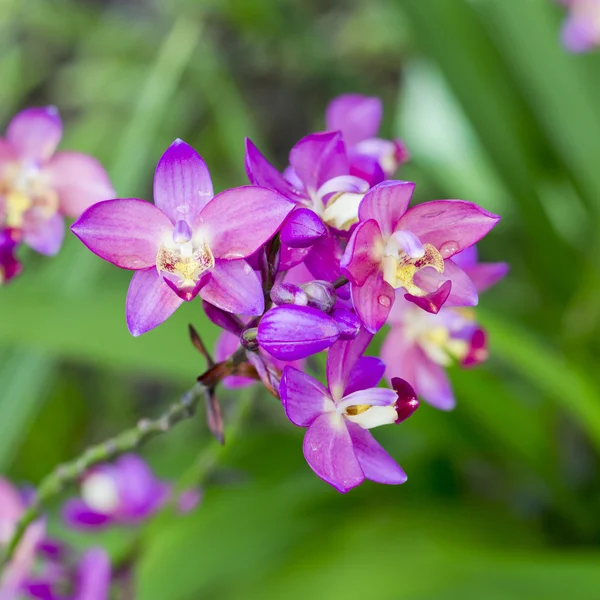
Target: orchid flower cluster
317	257
126	494
581	29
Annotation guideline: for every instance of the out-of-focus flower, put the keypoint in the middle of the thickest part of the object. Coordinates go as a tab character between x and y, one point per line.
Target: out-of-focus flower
359	118
39	186
125	492
9	264
393	247
12	507
581	29
187	242
189	499
337	445
420	345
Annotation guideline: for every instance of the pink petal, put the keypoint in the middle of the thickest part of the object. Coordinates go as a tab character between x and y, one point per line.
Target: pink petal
150	301
319	157
35	132
45	235
304	398
262	173
79	180
7	152
357	117
182	184
433	301
93	577
342	360
363	253
238	221
329	452
367	373
449	225
376	464
234	287
126	232
463	291
373	301
431	382
485	275
386	203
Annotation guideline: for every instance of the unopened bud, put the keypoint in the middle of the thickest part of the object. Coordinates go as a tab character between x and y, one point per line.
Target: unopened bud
348	323
321	294
288	293
248	338
302	229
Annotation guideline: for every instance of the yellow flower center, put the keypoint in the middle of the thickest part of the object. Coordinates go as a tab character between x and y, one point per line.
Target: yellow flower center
400	270
185	261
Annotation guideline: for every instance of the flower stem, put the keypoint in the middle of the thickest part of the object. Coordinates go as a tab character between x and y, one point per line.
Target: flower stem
127	440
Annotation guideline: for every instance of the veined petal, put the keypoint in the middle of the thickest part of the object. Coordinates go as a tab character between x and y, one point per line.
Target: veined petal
330	454
182	183
304	398
126	232
238	221
234	287
363	253
319	157
150	301
357	117
386	203
373	301
35	132
376	464
485	275
449	225
45	235
463	291
79	180
367	373
292	332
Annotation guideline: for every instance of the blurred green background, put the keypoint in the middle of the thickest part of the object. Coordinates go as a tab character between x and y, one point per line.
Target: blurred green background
503	496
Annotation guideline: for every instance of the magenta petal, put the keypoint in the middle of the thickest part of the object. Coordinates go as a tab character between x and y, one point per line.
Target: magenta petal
373	301
304	398
449	225
262	173
291	257
182	184
224	320
357	117
580	33
432	302
150	301
366	168
485	275
363	253
238	221
348	323
341	361
319	157
79	180
330	454
93	577
77	514
376	464
302	228
45	235
466	258
386	203
234	287
463	291
431	382
293	332
407	401
367	373
35	132
126	232
323	259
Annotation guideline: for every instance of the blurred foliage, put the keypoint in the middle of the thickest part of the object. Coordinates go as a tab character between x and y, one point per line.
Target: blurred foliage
503	493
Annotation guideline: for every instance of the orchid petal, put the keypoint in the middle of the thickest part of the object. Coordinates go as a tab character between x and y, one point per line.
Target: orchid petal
373	301
363	253
93	577
45	235
150	301
330	454
79	180
323	258
35	133
372	396
126	232
304	398
234	287
182	183
365	167
433	301
463	291
376	464
386	203
238	221
302	228
366	373
449	225
357	117
77	514
467	257
223	319
485	275
291	257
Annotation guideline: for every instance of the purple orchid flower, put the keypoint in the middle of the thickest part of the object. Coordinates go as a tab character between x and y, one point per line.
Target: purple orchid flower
39	186
421	345
187	243
9	264
393	247
581	29
125	492
12	507
359	118
338	446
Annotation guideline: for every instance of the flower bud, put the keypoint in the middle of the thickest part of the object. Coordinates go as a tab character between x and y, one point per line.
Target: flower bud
302	229
288	293
347	321
321	295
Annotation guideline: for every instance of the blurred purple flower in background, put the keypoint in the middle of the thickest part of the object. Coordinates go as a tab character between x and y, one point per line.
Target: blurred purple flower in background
9	264
581	29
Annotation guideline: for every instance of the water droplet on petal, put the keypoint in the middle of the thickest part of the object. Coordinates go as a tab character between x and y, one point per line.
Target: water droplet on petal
384	300
247	269
449	248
